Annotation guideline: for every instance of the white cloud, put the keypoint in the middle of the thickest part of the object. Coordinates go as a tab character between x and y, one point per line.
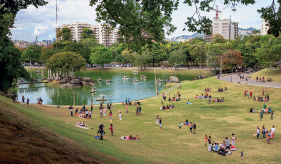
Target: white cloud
40	30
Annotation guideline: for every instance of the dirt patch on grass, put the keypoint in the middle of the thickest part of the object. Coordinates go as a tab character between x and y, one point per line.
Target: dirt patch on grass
23	142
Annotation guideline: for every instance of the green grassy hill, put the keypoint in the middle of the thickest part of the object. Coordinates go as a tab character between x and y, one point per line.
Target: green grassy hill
172	145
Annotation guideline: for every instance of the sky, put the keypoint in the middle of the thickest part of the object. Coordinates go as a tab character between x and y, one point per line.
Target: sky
41	21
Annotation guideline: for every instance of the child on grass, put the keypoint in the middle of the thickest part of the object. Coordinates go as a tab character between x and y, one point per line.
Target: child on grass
111	129
242	155
100	113
157	119
206	139
127	107
179	125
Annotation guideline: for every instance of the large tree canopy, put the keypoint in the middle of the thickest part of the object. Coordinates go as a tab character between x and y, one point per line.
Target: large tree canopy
142	21
100	55
64	62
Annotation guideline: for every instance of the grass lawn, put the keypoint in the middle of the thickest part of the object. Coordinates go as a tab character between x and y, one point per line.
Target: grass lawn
174	145
275	74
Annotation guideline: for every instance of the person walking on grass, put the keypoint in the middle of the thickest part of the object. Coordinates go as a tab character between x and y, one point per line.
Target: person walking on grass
258	132
137	111
261	115
190	127
267	137
262	92
206	139
71	112
242	155
263	131
160	123
127	107
157	119
194	128
272	132
120	115
227	143
140	110
271	117
230	78
111	129
100	113
104	110
209	143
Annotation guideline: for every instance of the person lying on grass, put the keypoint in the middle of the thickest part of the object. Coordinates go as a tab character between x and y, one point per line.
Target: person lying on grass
131	137
188	103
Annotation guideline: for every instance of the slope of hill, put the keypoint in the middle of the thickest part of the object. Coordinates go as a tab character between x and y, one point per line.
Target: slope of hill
24	141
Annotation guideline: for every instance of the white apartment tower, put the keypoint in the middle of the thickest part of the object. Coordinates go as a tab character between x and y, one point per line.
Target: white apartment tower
264	27
76	29
225	27
104	36
100	32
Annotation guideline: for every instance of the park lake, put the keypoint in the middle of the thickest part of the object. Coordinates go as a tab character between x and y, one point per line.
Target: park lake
116	91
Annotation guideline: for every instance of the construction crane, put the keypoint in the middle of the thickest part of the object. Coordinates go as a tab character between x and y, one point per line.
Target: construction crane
217	12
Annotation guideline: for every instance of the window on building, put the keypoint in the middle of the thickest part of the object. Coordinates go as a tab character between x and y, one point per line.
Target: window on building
224	23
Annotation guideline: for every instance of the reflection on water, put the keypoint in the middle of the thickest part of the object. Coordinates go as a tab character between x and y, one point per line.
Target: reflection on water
116	91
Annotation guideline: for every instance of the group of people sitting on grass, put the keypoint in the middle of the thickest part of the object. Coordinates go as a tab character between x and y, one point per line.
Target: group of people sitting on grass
218	99
207	89
221	90
206	96
175	98
269	80
80	123
168	107
224	148
261	99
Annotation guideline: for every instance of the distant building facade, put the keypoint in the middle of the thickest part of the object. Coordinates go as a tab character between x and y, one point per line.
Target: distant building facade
224	27
264	27
101	34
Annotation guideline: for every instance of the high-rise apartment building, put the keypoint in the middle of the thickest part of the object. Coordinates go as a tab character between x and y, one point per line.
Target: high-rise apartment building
76	30
224	27
103	36
264	27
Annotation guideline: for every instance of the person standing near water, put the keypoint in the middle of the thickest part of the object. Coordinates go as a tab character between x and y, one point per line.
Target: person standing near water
140	110
71	112
137	111
127	107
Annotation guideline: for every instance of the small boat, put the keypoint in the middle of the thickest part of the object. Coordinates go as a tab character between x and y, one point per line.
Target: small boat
93	90
125	78
135	71
99	79
159	81
135	80
108	80
37	71
143	77
101	99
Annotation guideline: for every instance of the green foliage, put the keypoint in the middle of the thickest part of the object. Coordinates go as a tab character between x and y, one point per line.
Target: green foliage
34	52
143	60
116	49
10	65
87	33
100	55
214	52
177	57
64	62
47	52
198	52
218	38
137	19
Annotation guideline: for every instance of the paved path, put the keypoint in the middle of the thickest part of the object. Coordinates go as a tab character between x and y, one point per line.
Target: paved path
235	79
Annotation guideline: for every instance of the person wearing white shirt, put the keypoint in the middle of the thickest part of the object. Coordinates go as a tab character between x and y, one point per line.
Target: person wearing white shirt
120	116
272	131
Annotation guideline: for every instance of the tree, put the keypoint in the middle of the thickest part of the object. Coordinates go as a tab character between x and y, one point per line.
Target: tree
231	58
65	61
47	52
218	38
256	32
66	35
100	55
87	33
87	45
214	52
176	57
143	60
33	52
198	52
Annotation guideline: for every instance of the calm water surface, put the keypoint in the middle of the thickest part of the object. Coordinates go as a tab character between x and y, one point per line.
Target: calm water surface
116	91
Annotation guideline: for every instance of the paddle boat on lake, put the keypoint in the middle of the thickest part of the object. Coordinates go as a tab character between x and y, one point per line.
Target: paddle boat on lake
135	71
125	78
159	81
135	80
143	77
108	80
93	90
99	79
101	98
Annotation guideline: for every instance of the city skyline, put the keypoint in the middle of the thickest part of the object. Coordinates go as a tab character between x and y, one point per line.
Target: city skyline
41	22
